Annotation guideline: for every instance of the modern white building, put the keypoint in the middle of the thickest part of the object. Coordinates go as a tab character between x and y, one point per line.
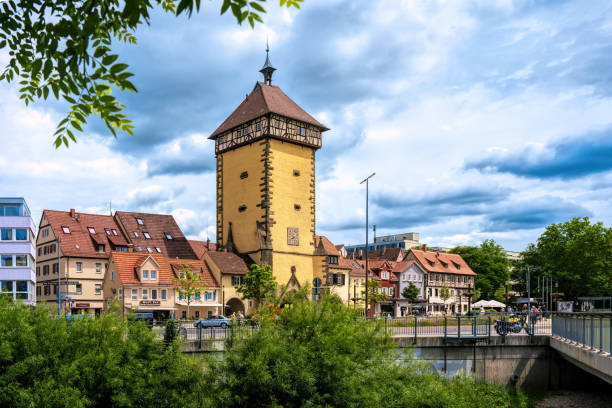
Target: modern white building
17	250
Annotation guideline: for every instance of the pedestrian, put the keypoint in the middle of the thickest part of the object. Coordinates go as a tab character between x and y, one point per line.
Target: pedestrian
509	310
545	312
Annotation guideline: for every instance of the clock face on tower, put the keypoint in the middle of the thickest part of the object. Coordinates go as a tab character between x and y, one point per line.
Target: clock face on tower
293	236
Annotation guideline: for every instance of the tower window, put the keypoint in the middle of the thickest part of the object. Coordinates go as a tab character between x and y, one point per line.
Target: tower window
245	131
302	131
244	174
297	207
296	173
314	133
242	208
258	126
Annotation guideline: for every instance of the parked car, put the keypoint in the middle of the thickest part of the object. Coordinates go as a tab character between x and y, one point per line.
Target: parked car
214	321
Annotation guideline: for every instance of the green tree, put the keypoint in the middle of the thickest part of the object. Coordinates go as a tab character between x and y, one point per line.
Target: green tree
91	362
411	292
189	284
325	355
259	284
490	264
445	293
65	48
576	255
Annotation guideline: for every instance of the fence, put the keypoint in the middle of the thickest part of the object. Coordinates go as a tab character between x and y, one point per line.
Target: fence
188	332
469	326
591	330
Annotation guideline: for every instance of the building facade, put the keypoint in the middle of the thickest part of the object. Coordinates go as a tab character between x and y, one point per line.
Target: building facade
409	273
17	251
229	269
405	241
265	154
72	258
332	273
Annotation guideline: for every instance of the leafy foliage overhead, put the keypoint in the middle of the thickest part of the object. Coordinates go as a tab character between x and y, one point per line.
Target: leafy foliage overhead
64	48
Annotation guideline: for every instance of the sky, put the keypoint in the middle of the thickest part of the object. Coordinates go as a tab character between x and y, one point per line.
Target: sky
482	119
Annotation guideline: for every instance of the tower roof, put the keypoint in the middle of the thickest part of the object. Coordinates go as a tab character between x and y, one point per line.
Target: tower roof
267	70
262	100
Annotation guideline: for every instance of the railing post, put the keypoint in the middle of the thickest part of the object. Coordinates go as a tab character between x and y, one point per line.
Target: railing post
458	326
200	337
445	327
610	335
474	326
415	329
600	334
583	330
592	334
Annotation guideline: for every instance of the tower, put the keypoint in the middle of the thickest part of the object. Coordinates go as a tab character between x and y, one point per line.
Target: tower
265	153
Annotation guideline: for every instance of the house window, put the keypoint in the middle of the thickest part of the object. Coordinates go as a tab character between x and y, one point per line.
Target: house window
98	288
139	249
100	248
163	294
158	250
149	250
79	289
384	275
146	235
242	208
55	268
154	294
112	275
45	270
391	292
98	268
145	275
66	230
39	251
136	234
436	290
38	271
120	293
314	133
236	280
79	266
153	275
139	221
245	131
332	259
114	232
38	291
91	230
145	293
45	232
258	126
244	174
168	236
134	294
47	290
108	232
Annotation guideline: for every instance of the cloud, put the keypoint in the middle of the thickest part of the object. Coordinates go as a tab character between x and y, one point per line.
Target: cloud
564	159
533	213
190	155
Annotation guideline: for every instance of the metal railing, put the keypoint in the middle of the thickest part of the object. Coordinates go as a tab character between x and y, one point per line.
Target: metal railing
592	330
536	324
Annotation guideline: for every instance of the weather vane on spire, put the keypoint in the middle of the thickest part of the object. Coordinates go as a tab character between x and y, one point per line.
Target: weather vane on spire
267	69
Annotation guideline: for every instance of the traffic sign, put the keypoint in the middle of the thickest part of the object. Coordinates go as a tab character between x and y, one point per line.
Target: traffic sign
63	283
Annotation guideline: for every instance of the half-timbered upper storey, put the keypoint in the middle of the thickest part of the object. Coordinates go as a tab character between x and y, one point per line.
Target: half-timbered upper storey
267	112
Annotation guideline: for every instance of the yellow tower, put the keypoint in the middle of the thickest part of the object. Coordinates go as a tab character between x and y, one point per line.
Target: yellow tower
265	154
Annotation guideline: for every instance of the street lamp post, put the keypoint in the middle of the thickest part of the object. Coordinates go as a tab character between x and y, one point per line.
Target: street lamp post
367	181
59	283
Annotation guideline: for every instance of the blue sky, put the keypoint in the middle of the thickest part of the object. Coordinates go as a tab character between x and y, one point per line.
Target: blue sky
482	119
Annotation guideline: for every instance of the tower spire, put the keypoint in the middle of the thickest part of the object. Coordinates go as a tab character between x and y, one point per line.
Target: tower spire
267	69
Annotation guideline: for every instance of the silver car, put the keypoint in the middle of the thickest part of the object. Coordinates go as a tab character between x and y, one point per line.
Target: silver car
214	321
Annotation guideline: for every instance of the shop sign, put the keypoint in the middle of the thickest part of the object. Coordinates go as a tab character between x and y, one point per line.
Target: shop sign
82	305
150	302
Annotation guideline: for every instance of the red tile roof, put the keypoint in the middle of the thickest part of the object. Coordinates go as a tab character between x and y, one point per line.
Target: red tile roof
439	262
156	225
329	248
356	269
262	100
389	254
80	242
195	265
229	263
127	262
201	247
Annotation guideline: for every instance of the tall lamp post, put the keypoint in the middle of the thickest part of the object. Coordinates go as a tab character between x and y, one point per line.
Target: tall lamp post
367	227
59	282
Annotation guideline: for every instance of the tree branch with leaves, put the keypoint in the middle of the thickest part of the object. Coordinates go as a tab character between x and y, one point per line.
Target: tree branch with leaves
64	48
259	284
188	284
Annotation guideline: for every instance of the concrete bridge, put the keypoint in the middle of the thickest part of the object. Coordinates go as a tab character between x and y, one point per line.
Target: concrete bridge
584	339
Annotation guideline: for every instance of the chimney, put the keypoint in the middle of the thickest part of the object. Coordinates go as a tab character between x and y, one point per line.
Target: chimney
72	213
208	244
425	247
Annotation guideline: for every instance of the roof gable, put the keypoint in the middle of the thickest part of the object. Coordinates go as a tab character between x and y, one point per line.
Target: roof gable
262	100
440	262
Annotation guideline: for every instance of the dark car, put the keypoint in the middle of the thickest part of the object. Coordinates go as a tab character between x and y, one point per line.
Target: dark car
214	321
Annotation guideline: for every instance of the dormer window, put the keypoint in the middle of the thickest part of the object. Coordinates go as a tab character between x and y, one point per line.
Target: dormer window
149	250
139	249
146	235
136	234
332	259
91	230
114	232
168	236
108	232
153	275
384	275
101	248
314	133
145	275
158	249
139	221
66	230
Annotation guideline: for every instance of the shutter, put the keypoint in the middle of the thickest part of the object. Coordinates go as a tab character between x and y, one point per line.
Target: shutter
329	279
342	280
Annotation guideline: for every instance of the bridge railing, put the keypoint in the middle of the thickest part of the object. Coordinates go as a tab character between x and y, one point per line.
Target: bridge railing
593	330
